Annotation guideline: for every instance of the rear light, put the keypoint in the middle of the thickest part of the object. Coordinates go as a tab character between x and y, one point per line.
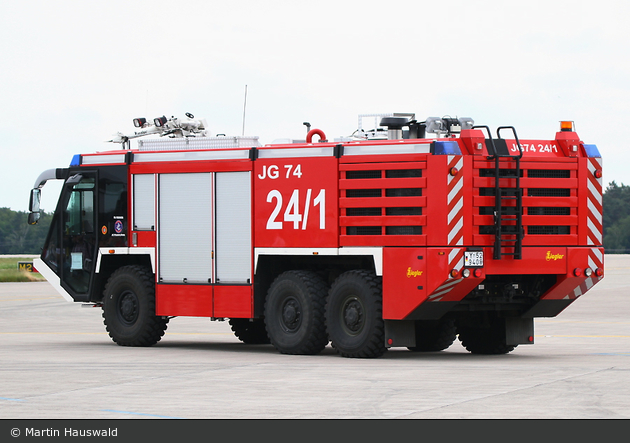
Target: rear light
453	171
588	272
466	273
454	273
477	273
598	173
599	272
577	272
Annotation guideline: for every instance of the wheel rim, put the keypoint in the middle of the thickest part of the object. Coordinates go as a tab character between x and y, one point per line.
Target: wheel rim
128	307
352	315
290	315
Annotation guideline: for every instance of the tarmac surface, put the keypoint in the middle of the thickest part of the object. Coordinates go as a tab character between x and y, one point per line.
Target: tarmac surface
57	362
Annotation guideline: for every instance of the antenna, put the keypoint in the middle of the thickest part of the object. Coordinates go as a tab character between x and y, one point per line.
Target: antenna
244	107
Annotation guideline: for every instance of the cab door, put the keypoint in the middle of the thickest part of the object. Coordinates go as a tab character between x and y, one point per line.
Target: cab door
78	234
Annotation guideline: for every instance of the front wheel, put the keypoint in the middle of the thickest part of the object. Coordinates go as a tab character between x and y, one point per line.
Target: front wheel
129	308
354	315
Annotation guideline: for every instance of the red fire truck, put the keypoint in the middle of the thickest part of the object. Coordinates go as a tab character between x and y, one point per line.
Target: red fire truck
386	238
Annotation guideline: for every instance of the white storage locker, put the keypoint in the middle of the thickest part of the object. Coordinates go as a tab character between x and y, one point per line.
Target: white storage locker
143	202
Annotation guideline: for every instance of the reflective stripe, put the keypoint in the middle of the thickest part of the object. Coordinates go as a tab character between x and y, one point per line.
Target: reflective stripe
595	260
125	251
443	290
102	159
401	148
455	201
143	157
51	278
594	219
455	261
326	151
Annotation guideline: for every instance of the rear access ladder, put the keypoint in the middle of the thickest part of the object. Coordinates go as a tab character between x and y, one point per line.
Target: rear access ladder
508	207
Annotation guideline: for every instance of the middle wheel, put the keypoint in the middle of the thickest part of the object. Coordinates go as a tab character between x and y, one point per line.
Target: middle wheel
294	313
354	315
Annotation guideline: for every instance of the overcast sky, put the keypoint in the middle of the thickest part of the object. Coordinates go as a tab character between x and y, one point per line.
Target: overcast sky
76	72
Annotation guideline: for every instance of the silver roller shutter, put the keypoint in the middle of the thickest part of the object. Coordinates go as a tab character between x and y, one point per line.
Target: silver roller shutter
185	227
233	254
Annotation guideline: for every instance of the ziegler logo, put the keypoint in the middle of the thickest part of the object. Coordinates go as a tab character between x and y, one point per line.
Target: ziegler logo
411	273
554	257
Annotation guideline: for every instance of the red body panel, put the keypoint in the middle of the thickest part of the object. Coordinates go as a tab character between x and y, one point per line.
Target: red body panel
233	301
183	300
295	201
424	210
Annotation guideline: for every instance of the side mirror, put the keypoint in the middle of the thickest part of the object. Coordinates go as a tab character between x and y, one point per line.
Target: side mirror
33	218
33	206
36	195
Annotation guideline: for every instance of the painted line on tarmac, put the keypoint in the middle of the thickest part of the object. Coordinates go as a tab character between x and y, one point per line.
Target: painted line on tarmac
105	333
140	413
53	333
199	333
584	321
30	298
626	354
585	336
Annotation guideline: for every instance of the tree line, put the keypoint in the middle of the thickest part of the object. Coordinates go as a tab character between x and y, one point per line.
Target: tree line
18	237
616	201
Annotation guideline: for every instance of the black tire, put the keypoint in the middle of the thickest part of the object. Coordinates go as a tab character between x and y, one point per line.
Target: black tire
354	315
434	336
294	313
488	340
129	308
250	332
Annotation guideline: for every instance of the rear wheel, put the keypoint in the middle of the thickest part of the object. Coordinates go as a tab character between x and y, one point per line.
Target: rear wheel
250	332
129	308
486	338
294	313
354	315
434	336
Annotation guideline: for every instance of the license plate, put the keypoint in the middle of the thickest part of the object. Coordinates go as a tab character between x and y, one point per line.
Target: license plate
473	258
